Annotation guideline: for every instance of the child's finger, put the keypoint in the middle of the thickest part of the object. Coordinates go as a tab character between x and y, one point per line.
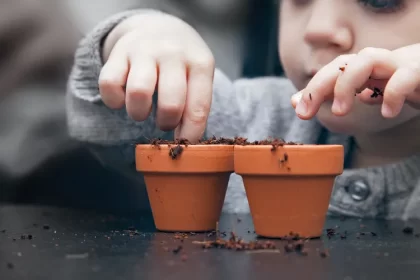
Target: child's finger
112	80
295	99
355	76
400	85
319	88
199	98
140	87
172	88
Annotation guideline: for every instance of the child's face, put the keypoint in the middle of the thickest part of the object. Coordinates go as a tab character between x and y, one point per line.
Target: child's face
314	32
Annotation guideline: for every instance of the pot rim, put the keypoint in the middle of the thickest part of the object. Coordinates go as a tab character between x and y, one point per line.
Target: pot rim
193	146
291	146
302	160
193	159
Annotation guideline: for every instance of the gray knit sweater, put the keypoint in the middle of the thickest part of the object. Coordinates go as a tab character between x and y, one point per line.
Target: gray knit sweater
253	108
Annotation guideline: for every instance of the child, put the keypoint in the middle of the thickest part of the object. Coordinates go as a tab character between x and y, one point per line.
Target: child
330	50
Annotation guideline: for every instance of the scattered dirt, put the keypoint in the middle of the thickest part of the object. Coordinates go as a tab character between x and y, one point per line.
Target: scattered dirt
324	254
177	249
177	146
236	243
408	230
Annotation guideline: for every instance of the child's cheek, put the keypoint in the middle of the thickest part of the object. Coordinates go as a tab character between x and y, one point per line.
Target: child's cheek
293	72
293	66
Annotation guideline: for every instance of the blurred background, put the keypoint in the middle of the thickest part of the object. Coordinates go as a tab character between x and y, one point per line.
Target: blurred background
38	161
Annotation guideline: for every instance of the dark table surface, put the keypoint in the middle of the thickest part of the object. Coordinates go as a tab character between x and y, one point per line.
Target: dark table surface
54	243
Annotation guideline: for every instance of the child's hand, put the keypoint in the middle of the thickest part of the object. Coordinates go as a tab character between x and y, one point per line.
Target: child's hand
373	75
151	51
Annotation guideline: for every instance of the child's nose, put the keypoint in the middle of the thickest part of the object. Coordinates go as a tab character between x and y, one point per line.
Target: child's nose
326	27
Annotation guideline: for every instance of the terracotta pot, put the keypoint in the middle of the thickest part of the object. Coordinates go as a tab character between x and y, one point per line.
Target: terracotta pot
289	189
186	193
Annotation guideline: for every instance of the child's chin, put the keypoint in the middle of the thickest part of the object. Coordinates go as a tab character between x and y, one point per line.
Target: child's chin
338	126
350	124
363	119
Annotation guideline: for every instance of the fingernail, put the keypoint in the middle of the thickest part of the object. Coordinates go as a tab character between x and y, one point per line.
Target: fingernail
387	111
301	108
295	100
337	106
297	97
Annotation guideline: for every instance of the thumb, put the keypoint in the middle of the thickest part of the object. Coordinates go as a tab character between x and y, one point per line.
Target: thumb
295	99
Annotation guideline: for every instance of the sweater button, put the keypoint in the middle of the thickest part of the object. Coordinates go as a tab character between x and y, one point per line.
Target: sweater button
358	190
